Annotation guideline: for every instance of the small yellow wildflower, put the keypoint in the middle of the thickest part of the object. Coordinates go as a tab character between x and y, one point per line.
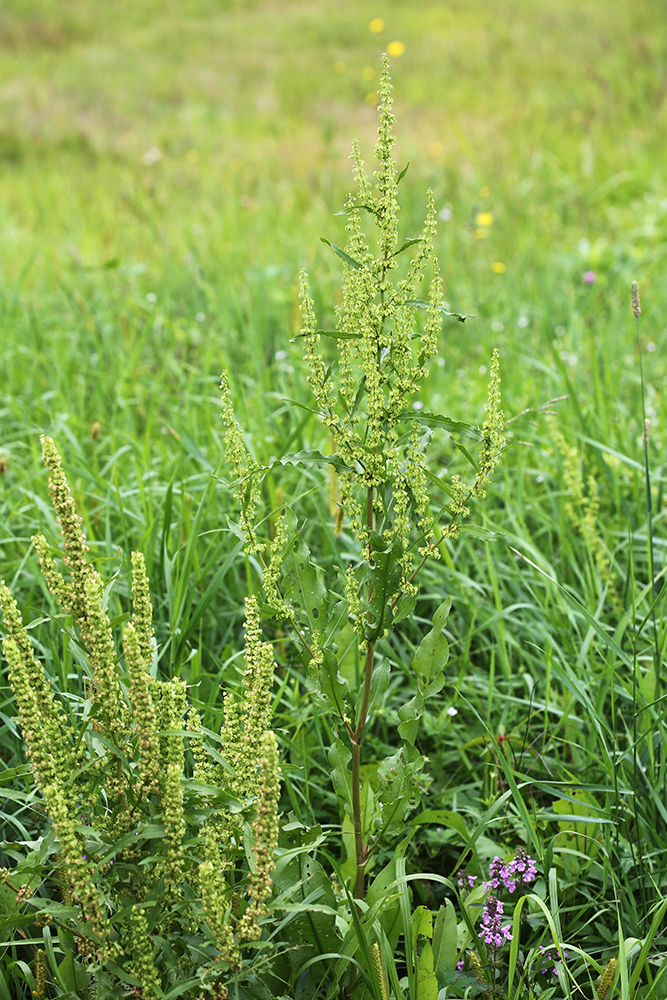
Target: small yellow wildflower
435	149
484	219
498	267
339	67
372	99
395	49
480	234
368	73
376	25
484	191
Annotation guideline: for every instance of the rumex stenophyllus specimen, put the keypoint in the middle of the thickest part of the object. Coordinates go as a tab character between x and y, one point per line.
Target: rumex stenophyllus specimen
161	874
388	522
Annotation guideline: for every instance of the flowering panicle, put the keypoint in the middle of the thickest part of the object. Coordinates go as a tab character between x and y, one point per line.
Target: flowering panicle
519	871
121	775
217	904
244	469
257	683
582	505
74	540
493	438
78	870
493	932
170	712
48	737
551	958
204	768
271	574
386	175
265	831
142	608
605	981
144	714
138	947
82	596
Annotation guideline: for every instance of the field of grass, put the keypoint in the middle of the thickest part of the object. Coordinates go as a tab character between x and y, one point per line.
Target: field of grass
166	171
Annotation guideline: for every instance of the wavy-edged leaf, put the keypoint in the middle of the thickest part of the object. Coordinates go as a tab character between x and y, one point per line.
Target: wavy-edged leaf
439	420
311	458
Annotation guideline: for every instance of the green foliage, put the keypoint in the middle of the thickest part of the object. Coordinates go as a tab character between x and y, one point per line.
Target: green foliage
361	398
153	876
123	283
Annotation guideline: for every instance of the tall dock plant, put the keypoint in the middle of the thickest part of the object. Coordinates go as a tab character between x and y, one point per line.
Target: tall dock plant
156	875
384	337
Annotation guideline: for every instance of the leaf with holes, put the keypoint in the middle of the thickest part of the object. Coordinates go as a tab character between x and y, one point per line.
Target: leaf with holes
384	579
433	651
304	590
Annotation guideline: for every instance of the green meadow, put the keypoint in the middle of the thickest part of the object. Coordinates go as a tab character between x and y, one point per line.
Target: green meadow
167	169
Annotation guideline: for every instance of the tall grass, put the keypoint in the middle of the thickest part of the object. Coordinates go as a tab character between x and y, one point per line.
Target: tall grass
128	285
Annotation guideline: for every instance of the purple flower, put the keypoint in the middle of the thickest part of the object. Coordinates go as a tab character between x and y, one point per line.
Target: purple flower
548	958
522	868
589	277
491	931
466	881
498	875
520	871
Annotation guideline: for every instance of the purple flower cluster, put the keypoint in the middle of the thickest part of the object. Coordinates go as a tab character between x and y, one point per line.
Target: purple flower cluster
519	871
548	957
466	881
492	931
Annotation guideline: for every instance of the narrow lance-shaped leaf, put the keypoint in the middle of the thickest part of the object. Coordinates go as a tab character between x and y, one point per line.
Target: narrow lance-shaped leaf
343	256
